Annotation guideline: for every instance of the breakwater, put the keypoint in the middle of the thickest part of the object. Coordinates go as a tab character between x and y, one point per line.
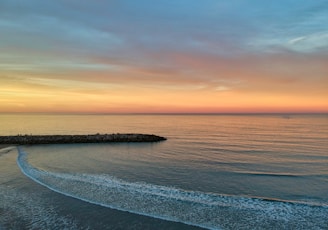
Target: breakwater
66	139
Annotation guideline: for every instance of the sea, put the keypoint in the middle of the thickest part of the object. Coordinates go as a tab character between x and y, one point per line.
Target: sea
251	171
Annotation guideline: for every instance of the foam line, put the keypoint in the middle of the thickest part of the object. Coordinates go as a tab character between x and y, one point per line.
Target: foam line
205	210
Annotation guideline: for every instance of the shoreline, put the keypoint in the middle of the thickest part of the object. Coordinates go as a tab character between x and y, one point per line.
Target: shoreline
3	146
4	149
6	141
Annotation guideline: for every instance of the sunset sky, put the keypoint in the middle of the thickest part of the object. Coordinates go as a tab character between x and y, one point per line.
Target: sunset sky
163	56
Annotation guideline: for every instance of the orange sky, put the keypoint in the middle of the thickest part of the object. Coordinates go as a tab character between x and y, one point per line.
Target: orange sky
226	61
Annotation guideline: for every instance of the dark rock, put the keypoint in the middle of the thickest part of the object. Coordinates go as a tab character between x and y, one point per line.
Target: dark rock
63	139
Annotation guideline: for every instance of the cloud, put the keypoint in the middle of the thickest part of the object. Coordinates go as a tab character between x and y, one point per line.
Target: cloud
222	88
137	49
70	84
296	40
294	27
309	43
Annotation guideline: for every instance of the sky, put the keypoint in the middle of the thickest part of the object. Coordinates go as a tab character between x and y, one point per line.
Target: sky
163	56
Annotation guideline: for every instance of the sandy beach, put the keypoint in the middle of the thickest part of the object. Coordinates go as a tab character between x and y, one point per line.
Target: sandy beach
2	146
3	149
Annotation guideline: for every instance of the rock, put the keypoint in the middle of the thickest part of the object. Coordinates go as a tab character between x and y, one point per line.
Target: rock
63	139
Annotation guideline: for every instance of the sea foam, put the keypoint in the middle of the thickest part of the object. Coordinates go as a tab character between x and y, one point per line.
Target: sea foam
208	210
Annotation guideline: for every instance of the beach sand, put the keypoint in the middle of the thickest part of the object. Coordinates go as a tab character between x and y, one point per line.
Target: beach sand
5	149
2	146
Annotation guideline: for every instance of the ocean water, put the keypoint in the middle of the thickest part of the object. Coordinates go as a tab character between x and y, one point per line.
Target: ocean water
213	172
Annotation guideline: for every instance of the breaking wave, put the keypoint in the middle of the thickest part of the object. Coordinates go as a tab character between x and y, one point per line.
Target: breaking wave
208	210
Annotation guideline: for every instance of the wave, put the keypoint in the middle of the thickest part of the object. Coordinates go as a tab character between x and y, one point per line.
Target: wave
20	210
259	174
207	210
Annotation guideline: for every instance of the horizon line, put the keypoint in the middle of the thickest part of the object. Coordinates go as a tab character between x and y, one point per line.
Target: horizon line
166	113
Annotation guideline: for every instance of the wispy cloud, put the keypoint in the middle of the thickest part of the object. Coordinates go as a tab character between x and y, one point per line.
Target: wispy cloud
70	84
130	51
309	43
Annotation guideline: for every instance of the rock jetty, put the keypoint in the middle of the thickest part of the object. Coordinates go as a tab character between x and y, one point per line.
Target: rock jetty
66	139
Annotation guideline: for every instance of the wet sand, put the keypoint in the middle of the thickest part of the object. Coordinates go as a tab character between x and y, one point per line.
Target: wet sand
4	148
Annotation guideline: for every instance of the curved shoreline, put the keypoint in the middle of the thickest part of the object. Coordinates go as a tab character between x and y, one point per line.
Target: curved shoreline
67	139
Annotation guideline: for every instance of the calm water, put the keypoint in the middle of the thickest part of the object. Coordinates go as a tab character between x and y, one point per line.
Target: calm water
215	172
